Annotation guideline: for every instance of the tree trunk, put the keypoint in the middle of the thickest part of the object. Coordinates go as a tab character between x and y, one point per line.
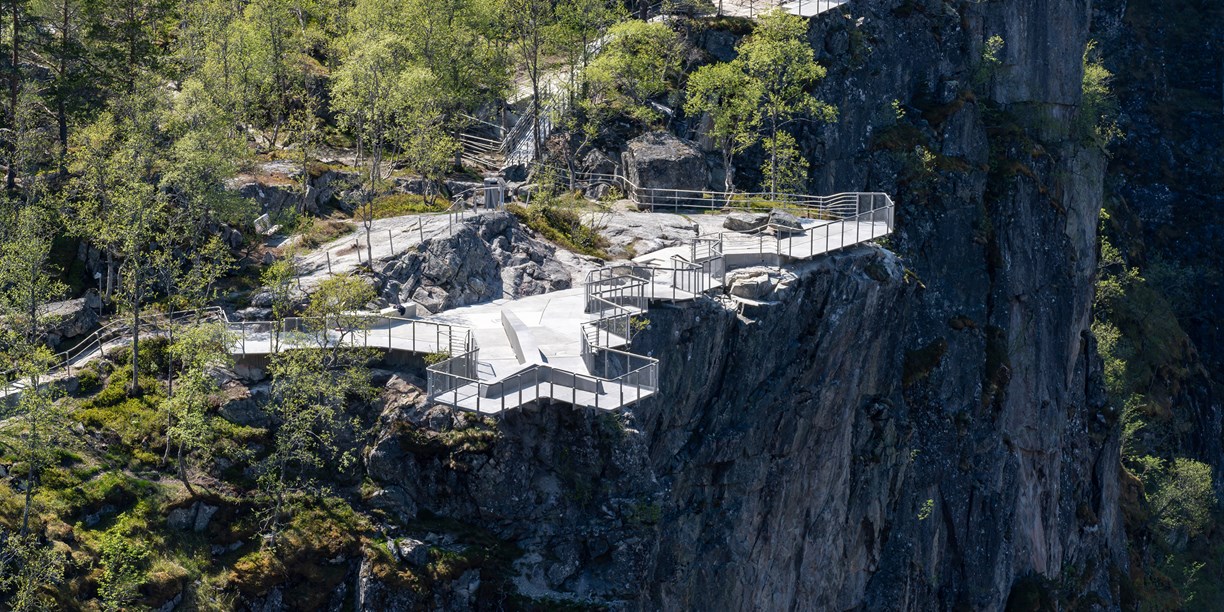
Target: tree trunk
10	177
61	107
134	389
728	172
29	492
535	115
110	274
182	471
773	152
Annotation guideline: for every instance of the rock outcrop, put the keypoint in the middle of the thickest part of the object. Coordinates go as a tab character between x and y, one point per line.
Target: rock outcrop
488	257
660	160
71	319
865	441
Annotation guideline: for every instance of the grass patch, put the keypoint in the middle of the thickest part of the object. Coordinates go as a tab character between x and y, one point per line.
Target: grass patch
134	423
315	232
562	226
317	534
400	204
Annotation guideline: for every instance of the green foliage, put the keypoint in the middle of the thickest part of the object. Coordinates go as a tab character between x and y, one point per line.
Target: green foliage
562	225
785	168
1181	497
731	98
29	569
320	530
639	62
198	349
989	62
124	559
1097	120
765	88
310	389
778	57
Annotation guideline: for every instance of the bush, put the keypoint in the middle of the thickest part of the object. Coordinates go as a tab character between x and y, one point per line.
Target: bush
562	226
315	232
124	559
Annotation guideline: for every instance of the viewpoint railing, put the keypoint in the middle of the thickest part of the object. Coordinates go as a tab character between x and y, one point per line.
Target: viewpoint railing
96	341
836	207
270	337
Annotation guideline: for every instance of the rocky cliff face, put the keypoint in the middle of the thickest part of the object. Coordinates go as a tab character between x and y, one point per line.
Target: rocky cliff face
918	433
1166	188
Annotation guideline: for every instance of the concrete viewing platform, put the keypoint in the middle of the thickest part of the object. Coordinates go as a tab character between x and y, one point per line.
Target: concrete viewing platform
572	346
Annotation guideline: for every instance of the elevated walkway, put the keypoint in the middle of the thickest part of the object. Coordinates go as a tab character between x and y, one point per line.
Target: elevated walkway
572	346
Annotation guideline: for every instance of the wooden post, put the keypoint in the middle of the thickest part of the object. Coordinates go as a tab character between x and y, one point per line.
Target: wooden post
328	253
391	241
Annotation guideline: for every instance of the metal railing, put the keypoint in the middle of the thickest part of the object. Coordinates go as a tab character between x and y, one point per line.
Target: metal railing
269	337
839	206
95	342
455	382
756	8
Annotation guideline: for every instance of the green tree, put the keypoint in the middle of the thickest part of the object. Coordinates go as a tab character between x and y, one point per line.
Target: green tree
1182	499
119	203
731	98
579	24
528	25
368	94
124	559
64	54
779	59
28	567
1097	119
639	61
310	389
25	290
420	131
278	278
199	349
338	303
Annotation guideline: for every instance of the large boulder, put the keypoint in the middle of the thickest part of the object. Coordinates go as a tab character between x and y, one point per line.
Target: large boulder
488	257
597	162
660	161
72	318
751	285
785	223
745	221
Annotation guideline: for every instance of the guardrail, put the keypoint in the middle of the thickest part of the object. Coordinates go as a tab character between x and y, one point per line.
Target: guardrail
839	206
270	337
94	342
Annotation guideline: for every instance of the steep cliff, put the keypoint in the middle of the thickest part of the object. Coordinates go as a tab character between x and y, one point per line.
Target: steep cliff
927	432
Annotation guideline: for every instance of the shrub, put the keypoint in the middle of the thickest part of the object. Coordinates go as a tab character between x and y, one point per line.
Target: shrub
562	226
314	232
124	557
